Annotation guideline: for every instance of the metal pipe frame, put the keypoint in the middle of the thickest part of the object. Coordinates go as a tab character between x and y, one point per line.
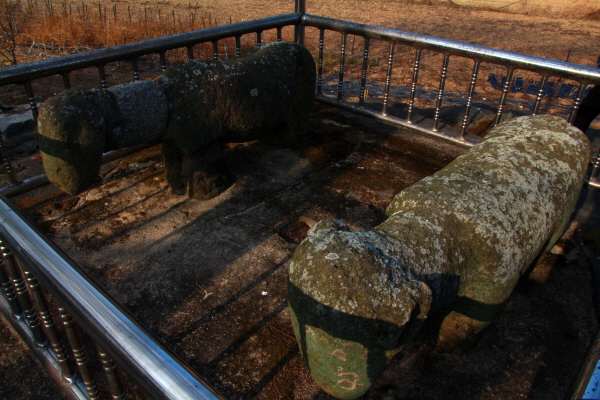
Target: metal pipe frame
584	75
65	64
152	367
517	61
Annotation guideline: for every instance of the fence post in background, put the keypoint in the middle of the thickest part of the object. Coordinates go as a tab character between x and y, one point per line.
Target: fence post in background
299	31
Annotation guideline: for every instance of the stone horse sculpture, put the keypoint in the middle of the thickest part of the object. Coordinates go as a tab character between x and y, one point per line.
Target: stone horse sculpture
455	242
192	109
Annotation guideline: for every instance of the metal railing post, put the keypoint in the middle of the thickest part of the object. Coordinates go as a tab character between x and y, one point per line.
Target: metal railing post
299	30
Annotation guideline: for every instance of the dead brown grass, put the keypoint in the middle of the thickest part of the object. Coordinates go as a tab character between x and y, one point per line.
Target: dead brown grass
73	27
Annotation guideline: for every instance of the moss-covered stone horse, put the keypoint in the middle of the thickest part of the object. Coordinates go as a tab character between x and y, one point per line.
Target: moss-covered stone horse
456	242
267	93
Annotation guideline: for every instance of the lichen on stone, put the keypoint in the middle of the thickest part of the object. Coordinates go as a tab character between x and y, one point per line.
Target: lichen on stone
457	241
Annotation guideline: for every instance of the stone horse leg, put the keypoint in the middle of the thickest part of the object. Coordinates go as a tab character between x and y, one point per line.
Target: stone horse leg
201	172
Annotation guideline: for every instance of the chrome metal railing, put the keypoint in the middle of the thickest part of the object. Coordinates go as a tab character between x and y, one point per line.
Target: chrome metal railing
512	62
31	262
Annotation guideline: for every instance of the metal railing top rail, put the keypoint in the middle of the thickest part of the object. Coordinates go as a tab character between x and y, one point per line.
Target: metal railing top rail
65	64
153	368
541	65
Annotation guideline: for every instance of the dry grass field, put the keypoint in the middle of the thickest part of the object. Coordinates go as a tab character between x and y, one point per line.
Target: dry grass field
569	33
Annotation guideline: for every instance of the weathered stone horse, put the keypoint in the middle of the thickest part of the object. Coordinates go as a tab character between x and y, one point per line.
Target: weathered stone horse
192	109
455	242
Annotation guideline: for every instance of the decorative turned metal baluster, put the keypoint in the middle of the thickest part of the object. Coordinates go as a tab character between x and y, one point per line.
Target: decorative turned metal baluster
66	80
388	79
413	88
595	169
470	96
540	95
136	71
25	303
32	102
279	34
190	52
163	61
238	45
48	323
505	89
10	171
299	29
363	78
577	102
79	353
440	96
102	74
114	382
215	46
259	38
340	92
320	65
8	291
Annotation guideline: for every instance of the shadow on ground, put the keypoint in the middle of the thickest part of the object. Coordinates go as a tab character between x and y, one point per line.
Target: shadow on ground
209	278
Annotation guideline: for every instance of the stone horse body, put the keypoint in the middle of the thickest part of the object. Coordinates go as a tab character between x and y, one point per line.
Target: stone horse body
192	109
456	242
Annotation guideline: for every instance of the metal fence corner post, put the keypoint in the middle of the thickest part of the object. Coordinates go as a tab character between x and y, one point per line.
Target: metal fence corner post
299	31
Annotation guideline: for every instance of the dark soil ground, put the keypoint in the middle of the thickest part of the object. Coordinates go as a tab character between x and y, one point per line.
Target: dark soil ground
208	278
